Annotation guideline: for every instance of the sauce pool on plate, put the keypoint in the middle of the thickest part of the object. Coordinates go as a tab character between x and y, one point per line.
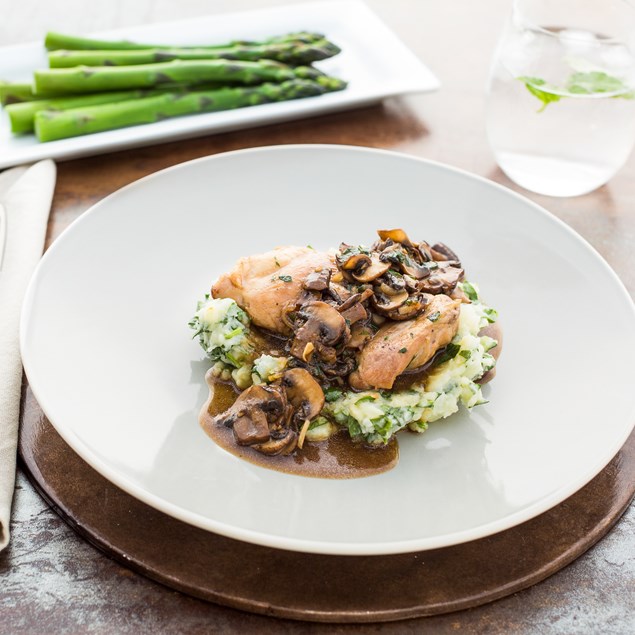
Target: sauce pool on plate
336	457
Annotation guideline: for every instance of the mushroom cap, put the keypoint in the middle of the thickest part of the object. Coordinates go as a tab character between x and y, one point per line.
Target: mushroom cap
384	304
317	280
283	445
375	269
255	409
355	261
303	392
411	308
324	320
396	235
440	251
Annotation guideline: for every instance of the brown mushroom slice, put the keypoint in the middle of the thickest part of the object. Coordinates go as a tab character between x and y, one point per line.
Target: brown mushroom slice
360	334
251	428
354	299
303	393
387	290
400	258
396	235
317	280
373	271
254	409
394	280
283	445
440	251
425	251
353	261
354	314
411	308
324	325
443	279
385	304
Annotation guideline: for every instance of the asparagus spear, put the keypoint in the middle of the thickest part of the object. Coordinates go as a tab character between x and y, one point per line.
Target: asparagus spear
14	92
51	125
91	79
18	92
287	52
60	41
22	115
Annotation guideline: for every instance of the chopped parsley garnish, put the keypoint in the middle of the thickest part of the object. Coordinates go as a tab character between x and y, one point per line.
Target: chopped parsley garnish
276	261
332	394
449	353
285	278
465	354
469	291
433	317
403	350
491	314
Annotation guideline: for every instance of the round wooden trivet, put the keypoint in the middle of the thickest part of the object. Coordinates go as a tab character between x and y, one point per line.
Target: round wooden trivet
317	587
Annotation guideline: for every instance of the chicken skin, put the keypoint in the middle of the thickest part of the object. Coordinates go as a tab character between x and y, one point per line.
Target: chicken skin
400	346
265	283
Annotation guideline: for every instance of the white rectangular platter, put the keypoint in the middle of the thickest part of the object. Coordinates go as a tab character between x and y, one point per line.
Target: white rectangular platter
374	62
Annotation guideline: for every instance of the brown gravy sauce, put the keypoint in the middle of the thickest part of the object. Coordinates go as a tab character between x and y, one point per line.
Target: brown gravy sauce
337	457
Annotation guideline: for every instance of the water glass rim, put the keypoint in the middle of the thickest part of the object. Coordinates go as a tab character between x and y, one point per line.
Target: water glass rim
517	15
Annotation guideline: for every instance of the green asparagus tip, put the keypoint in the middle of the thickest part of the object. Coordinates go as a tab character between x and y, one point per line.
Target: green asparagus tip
307	72
331	83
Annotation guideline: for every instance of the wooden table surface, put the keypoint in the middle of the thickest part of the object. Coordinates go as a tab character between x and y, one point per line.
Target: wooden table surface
52	581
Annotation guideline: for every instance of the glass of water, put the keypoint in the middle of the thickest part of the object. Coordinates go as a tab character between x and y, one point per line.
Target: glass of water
561	94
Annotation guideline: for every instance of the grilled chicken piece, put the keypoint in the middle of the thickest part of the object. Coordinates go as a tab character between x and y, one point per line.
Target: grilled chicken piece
400	346
265	283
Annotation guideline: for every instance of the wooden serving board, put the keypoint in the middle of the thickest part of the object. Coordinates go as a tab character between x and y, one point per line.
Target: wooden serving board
308	586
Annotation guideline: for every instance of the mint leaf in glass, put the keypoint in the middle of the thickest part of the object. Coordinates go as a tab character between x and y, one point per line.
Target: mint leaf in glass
597	82
532	84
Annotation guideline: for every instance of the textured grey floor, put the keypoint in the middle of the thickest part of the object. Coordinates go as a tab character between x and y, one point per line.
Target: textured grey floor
52	581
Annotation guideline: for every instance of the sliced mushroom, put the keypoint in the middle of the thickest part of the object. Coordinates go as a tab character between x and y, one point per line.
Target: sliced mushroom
443	279
283	445
317	280
352	259
385	304
411	283
355	313
360	334
373	271
394	280
397	235
388	290
354	299
324	325
397	255
441	251
411	308
303	393
251	428
415	270
257	407
425	251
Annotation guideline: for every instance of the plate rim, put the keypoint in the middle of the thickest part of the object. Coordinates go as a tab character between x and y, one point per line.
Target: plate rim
298	544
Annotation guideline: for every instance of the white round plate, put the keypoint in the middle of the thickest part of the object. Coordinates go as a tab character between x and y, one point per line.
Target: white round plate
110	358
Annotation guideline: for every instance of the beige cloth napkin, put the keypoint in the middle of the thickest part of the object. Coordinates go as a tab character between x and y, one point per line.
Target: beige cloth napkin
25	194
